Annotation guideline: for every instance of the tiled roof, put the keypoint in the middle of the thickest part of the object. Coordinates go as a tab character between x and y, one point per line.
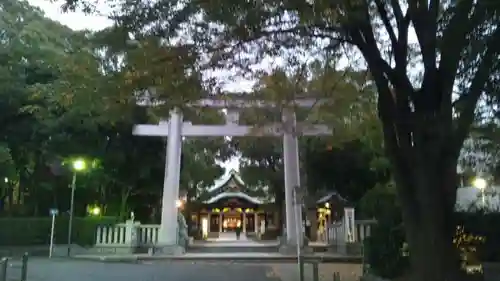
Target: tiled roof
222	181
228	194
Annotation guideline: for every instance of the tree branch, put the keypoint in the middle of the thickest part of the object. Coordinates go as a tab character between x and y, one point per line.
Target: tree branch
454	40
469	100
387	24
397	106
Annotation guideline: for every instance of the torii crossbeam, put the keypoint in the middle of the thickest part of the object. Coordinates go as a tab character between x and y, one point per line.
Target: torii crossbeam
175	129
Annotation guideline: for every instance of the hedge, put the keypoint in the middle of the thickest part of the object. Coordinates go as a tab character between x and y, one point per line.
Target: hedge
384	248
36	230
487	226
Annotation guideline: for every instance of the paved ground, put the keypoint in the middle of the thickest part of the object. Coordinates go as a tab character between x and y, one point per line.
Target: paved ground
228	239
76	270
57	270
230	236
289	272
222	257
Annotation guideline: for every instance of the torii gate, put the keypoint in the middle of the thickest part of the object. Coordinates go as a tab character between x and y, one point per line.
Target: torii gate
175	129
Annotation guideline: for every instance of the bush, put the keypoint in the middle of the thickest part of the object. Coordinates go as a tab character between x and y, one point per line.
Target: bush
384	251
36	230
486	226
384	248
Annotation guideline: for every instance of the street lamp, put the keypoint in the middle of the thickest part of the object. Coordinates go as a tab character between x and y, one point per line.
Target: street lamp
96	211
78	165
480	184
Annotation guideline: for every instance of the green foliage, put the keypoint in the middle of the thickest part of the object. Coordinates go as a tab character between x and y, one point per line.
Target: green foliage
384	250
36	231
384	247
427	90
347	168
64	95
381	203
486	227
475	238
341	161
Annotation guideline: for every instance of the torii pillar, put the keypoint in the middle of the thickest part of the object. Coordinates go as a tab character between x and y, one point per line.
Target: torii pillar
167	236
292	178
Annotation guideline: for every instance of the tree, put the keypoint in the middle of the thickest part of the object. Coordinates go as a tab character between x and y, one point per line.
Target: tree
33	63
425	118
356	131
349	168
351	118
50	78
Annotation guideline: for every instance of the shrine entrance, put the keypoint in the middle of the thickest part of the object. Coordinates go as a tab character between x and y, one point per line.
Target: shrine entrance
231	221
231	205
174	128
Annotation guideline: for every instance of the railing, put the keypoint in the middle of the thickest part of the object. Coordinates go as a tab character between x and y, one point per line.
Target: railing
337	231
148	234
363	229
134	234
111	235
127	234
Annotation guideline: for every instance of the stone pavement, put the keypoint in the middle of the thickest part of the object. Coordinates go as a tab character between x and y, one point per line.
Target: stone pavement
289	272
232	256
230	236
228	239
77	270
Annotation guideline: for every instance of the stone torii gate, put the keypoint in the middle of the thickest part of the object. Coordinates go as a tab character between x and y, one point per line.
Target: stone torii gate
174	129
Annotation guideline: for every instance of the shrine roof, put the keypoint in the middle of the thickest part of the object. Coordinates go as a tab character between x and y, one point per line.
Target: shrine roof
230	194
225	179
329	196
231	185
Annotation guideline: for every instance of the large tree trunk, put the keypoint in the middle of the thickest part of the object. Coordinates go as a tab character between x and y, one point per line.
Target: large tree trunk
429	226
425	164
423	146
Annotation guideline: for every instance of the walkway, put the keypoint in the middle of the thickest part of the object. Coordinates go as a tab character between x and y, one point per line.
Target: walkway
230	236
75	270
228	239
60	269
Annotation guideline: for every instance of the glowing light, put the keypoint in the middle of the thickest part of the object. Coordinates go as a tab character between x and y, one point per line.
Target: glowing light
179	203
79	165
204	227
479	183
95	211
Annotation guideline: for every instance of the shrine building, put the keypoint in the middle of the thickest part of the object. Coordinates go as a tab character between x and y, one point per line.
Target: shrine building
229	204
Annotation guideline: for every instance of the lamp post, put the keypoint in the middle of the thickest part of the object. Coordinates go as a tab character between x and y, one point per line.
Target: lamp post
77	165
481	184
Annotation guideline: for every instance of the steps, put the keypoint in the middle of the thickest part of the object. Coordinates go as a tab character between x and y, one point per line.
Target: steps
232	248
227	243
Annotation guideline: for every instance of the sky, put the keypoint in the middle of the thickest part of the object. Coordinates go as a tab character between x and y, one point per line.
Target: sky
81	21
